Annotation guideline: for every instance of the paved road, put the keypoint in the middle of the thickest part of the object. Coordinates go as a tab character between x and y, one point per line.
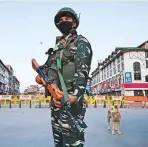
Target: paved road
30	127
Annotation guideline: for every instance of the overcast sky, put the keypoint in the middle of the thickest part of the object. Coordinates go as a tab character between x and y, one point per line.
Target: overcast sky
23	25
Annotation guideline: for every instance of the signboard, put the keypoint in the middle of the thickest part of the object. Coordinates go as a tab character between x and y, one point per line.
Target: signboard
101	97
117	97
27	97
5	97
128	77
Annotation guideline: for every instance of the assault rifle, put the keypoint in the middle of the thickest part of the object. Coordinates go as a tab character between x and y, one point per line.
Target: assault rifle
57	94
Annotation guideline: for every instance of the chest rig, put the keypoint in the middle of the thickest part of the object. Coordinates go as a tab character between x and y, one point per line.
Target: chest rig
62	60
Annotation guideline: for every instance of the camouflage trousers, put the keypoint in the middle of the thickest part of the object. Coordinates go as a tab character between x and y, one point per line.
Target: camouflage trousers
64	131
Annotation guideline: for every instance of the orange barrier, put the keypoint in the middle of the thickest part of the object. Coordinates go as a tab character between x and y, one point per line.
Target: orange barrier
136	98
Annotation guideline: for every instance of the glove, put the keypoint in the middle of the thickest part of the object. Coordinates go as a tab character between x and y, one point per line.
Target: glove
38	79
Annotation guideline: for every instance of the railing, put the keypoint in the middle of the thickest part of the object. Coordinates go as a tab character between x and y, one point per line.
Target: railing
41	101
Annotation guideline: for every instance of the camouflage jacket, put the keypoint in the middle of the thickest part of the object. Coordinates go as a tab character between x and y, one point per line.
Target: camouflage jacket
76	62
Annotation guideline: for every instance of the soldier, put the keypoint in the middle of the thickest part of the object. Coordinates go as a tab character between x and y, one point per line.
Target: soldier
76	54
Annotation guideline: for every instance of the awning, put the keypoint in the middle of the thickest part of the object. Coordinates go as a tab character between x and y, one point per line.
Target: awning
136	85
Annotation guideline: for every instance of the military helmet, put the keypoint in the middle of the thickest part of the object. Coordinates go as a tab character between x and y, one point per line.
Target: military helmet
66	11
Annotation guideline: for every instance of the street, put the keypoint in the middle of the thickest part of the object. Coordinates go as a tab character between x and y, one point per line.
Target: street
31	127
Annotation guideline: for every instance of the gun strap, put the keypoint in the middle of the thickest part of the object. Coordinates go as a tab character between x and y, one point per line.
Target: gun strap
64	89
59	65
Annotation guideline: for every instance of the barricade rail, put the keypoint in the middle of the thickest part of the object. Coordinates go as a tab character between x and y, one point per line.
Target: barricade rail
42	101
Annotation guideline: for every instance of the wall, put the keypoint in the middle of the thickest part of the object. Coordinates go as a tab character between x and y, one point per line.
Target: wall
132	57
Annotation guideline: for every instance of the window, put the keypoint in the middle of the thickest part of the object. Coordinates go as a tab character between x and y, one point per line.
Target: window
146	63
99	79
111	72
114	70
146	54
108	66
118	67
111	83
146	92
122	65
119	80
107	74
105	69
137	71
114	63
138	93
146	78
115	81
122	57
118	59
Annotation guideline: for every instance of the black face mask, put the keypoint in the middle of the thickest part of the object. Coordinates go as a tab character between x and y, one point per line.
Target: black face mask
65	27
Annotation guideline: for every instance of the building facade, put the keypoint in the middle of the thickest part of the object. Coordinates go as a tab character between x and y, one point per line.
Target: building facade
124	72
16	85
2	77
35	90
7	73
11	83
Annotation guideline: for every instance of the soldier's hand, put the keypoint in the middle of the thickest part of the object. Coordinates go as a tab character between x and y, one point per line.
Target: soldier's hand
57	103
38	79
72	98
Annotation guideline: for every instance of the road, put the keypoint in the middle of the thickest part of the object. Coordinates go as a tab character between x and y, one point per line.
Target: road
31	127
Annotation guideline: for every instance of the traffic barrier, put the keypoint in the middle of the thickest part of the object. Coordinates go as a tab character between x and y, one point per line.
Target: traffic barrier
136	98
5	100
23	101
136	101
14	101
42	101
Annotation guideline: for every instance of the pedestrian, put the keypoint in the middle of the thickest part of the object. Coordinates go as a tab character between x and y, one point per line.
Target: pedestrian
75	54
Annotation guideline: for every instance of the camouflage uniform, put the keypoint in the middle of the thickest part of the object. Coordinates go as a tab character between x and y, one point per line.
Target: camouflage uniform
76	61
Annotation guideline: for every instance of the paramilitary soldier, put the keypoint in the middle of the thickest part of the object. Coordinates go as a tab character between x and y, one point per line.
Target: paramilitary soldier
75	54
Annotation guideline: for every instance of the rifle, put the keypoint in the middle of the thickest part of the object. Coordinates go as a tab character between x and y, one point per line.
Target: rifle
56	93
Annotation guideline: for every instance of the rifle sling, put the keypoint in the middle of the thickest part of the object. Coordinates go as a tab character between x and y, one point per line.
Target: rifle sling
64	89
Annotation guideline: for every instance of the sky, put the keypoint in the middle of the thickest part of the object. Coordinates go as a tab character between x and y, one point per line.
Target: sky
107	25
